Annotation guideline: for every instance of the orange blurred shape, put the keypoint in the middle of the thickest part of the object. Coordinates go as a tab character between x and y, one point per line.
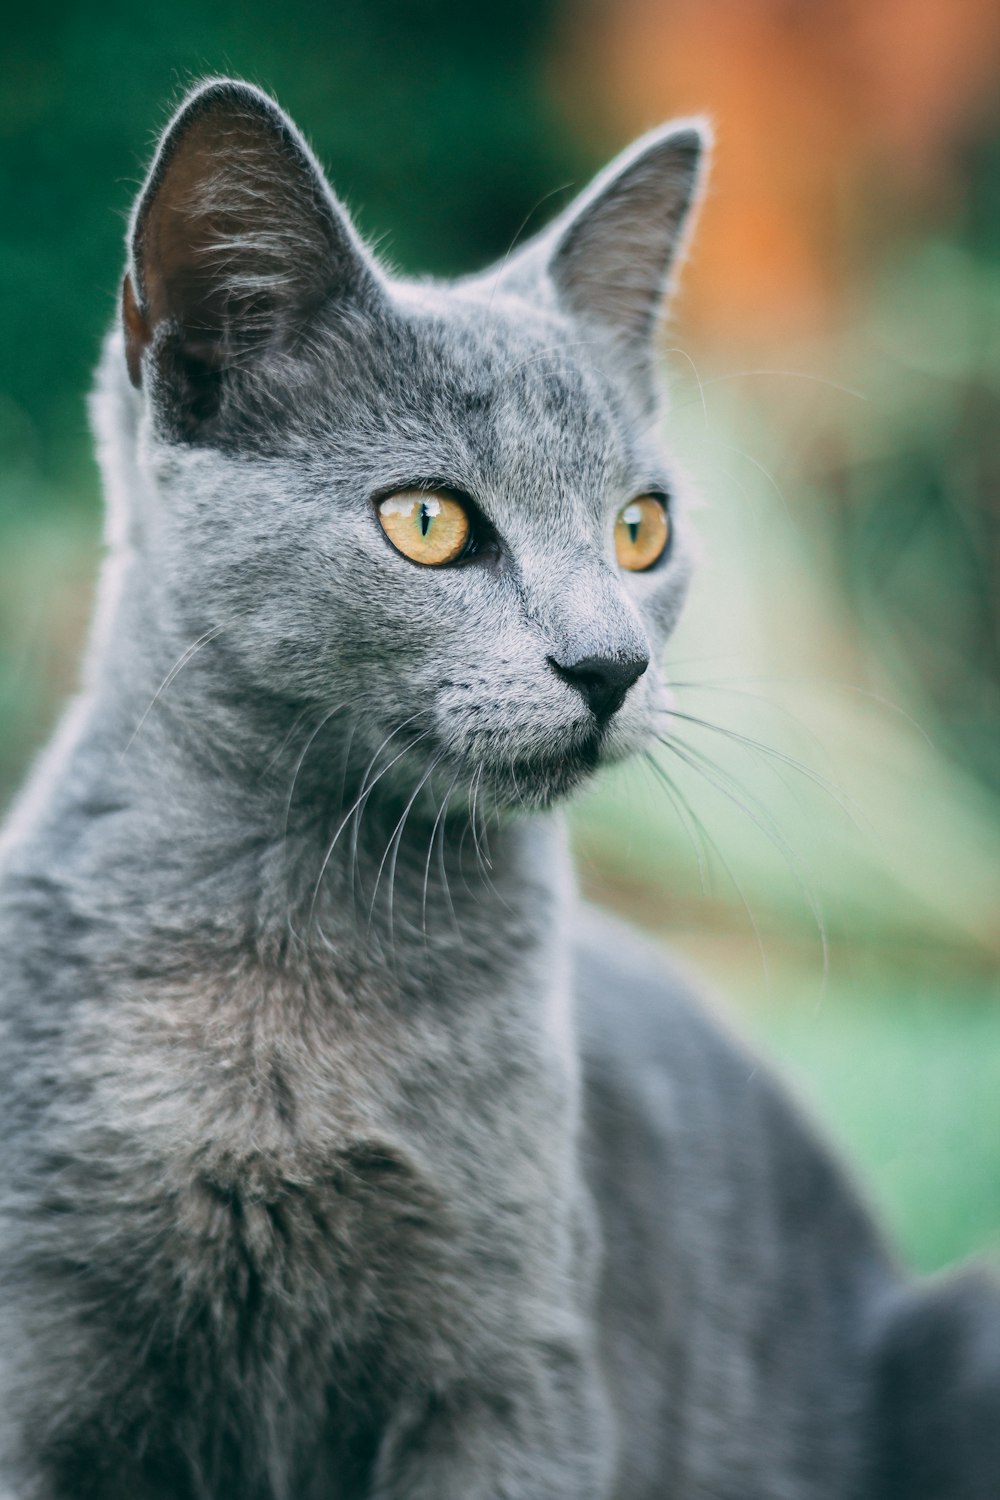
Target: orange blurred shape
836	120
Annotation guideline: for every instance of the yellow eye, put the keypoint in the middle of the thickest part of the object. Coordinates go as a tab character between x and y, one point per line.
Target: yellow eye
425	526
642	531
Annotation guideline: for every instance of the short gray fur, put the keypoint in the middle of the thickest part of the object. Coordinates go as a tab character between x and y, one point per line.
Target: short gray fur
366	1163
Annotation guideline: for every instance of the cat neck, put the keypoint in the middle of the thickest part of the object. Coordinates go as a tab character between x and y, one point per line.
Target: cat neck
236	827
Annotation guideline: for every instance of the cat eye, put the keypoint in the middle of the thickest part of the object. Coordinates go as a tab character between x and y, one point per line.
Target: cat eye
425	525
642	530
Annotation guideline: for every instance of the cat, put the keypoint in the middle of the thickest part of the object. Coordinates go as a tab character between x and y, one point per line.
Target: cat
346	1155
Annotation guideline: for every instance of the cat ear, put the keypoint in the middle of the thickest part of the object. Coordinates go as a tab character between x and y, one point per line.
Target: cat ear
236	240
613	253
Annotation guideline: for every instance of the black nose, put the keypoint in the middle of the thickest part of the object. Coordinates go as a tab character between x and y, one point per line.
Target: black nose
603	680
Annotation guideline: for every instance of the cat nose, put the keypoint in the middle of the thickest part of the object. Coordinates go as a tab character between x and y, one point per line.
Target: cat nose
603	680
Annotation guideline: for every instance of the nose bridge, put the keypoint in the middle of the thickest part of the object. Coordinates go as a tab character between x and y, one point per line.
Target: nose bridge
587	613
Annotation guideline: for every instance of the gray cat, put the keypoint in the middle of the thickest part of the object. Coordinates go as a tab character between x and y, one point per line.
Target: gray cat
344	1154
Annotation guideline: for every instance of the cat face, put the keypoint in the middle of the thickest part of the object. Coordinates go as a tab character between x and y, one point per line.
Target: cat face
436	511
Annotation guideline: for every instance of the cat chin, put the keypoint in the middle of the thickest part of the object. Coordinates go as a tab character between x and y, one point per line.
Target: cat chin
533	783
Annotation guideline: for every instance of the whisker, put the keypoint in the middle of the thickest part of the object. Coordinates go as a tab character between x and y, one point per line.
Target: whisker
484	862
485	829
472	795
830	788
395	839
767	822
737	886
174	672
694	370
501	268
430	852
477	823
756	463
364	794
694	828
286	740
460	856
517	785
807	375
693	685
443	866
357	811
360	807
737	685
751	808
392	869
324	721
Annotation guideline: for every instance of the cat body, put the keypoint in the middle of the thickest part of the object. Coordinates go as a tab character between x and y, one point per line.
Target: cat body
346	1155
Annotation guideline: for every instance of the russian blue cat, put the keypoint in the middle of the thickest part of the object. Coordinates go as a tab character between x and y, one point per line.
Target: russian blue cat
345	1156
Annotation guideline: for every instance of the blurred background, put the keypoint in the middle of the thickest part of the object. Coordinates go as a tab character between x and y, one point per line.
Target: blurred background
822	839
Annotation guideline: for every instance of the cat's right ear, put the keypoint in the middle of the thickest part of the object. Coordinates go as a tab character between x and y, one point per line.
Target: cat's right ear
236	241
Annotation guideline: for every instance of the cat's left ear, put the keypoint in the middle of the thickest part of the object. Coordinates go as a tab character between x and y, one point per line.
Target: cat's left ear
613	254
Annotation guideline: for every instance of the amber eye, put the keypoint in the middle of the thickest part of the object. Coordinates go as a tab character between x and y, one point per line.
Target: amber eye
642	530
424	525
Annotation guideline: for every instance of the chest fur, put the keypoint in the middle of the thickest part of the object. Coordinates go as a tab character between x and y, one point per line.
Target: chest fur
259	1154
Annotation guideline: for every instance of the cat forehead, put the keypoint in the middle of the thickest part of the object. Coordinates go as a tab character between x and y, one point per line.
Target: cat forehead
454	385
484	390
508	348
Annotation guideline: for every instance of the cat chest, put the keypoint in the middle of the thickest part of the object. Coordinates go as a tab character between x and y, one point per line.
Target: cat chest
305	1265
331	1190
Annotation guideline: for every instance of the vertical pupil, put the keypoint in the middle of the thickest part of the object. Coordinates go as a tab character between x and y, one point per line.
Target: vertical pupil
425	520
633	531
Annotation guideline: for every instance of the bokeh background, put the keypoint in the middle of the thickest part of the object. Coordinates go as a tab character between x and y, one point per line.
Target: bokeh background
825	843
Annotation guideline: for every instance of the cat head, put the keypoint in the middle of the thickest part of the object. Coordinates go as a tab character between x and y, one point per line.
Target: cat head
437	510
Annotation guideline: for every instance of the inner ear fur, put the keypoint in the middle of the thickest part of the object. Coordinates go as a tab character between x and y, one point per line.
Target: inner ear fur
235	240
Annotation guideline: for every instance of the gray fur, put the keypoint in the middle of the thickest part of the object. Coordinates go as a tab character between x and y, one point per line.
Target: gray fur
345	1156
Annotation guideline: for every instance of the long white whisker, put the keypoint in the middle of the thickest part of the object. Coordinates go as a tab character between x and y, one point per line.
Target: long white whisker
744	902
365	792
748	742
395	839
724	783
430	850
302	760
501	268
174	672
360	808
807	375
692	825
738	685
694	370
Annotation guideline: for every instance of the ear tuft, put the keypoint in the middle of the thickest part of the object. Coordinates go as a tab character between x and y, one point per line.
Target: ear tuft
236	240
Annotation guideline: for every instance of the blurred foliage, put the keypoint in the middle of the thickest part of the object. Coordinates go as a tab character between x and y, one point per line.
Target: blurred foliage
827	845
912	501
